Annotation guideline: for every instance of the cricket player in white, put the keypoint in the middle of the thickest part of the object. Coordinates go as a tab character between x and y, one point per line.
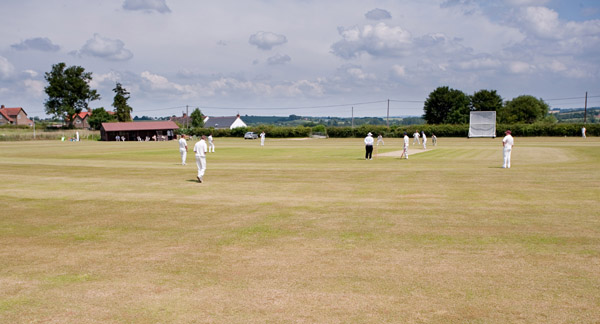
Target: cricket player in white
200	149
211	145
424	139
380	139
507	143
183	149
262	139
416	138
406	144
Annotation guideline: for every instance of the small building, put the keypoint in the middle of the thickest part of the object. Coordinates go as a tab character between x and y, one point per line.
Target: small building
134	131
14	116
224	122
81	120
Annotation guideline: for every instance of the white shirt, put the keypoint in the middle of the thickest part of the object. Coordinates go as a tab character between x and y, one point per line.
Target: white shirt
406	140
262	135
200	148
508	141
182	144
210	139
424	137
369	140
416	135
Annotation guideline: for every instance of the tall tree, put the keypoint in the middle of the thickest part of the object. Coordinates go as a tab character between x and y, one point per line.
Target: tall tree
523	109
122	109
197	118
446	106
99	116
68	91
486	100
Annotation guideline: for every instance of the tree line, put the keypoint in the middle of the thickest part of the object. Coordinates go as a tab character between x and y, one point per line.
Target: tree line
445	105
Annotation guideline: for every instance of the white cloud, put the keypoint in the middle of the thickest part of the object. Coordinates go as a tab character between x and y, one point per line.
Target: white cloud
542	22
110	77
479	63
377	40
519	67
278	59
106	48
399	70
378	14
266	40
34	87
359	74
147	5
6	68
526	2
39	44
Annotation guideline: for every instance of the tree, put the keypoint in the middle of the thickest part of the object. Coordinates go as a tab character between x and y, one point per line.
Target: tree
122	109
197	118
486	100
523	109
99	116
68	91
446	106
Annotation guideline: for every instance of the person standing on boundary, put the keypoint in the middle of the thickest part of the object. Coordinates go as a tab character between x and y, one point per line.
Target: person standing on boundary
183	149
583	131
424	140
507	142
433	139
262	138
211	145
380	139
369	147
406	144
200	149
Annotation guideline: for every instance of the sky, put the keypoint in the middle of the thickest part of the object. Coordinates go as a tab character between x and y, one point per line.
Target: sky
303	57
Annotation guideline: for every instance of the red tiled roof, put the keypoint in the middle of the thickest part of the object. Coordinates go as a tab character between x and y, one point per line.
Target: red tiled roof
13	111
135	126
3	113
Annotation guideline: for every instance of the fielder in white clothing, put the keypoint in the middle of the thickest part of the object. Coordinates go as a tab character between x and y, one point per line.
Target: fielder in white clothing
262	139
416	138
424	139
211	145
183	149
200	149
406	144
583	132
507	142
380	139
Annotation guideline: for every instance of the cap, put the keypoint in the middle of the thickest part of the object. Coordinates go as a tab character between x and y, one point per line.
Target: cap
369	134
507	132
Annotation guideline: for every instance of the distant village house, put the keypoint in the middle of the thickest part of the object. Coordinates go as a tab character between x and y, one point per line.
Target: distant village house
224	122
14	116
183	121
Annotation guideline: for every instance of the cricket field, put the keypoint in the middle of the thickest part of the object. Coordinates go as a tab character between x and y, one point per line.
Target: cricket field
300	231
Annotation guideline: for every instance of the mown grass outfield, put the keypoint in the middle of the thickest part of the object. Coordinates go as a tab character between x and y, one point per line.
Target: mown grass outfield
300	231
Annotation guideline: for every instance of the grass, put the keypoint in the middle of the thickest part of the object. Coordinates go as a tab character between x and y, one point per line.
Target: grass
300	231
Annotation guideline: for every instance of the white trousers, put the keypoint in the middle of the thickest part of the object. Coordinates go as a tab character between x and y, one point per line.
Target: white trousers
506	154
211	147
424	143
201	163
405	152
183	156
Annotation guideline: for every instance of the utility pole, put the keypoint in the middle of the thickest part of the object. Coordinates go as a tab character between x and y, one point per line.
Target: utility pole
388	114
33	127
352	117
585	109
187	117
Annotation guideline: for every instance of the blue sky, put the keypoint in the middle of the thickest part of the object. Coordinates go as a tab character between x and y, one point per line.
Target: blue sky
304	57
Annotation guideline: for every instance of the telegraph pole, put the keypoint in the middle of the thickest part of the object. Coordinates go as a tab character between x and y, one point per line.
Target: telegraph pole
187	117
352	117
388	114
585	109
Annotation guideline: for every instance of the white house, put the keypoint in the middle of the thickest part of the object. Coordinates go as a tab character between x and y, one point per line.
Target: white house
224	122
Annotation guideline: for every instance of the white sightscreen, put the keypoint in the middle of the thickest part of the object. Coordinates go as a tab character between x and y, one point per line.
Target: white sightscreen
482	124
